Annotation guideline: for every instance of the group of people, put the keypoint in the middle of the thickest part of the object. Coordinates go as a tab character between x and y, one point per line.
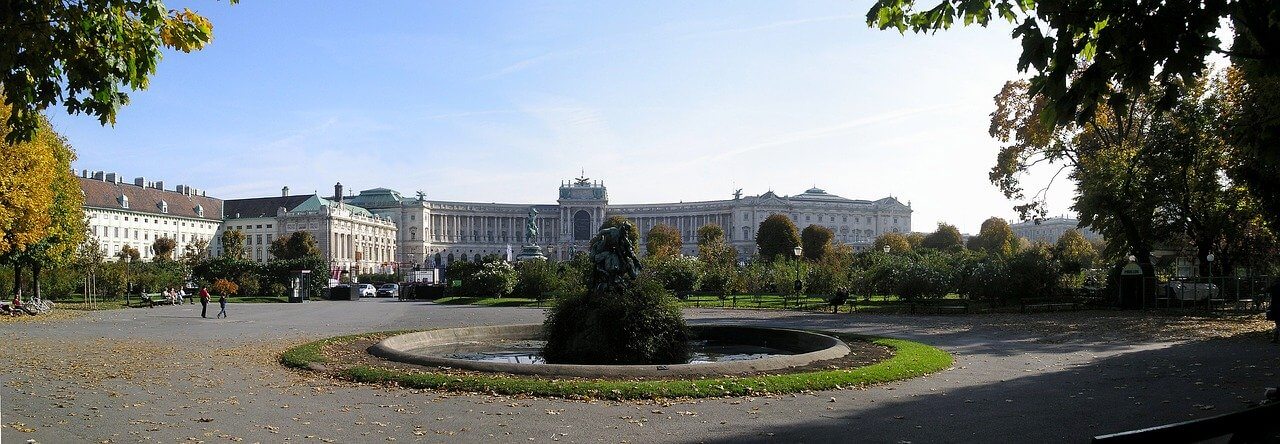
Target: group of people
176	296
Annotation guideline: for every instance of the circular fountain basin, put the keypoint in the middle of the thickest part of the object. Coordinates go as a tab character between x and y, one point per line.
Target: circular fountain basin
718	350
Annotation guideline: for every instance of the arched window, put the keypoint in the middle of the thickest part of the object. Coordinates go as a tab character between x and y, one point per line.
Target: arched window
437	259
124	201
451	258
746	233
464	257
413	233
582	226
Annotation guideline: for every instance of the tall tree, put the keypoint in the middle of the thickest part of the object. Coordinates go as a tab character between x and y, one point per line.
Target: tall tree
26	199
777	237
663	240
232	244
712	247
946	237
128	254
84	54
163	248
995	237
896	242
296	245
1075	252
816	240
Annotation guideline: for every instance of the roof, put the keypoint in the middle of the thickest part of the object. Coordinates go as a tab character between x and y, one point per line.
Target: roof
315	202
375	198
818	194
261	206
107	195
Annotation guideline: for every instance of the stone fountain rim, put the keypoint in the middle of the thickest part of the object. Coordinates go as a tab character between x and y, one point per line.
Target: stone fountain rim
396	348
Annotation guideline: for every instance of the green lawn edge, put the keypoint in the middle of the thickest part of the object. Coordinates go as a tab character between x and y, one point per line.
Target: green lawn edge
911	359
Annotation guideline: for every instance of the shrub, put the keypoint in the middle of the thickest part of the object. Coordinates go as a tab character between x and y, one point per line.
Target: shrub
678	274
640	325
536	279
924	277
224	287
493	278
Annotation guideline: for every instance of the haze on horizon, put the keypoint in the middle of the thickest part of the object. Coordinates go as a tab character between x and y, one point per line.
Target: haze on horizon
663	102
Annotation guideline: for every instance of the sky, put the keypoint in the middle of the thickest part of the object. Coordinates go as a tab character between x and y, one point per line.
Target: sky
501	101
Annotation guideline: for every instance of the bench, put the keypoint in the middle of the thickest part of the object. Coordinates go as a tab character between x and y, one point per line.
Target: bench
1048	305
939	307
151	300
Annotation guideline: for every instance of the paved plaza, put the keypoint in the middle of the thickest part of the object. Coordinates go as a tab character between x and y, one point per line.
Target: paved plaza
166	375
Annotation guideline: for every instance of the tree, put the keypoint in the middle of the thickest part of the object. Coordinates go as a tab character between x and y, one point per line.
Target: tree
1094	55
915	240
224	287
896	242
1074	252
232	244
995	237
26	199
619	221
777	237
946	237
296	245
713	250
662	241
66	227
163	248
816	240
128	254
84	54
195	251
1088	54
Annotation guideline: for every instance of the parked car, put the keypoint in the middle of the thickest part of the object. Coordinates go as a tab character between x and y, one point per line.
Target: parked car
388	290
367	290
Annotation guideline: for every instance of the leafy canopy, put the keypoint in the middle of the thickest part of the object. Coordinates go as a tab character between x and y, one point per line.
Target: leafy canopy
662	241
777	237
84	54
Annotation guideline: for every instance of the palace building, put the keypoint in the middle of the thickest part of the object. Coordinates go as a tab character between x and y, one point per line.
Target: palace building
434	233
135	214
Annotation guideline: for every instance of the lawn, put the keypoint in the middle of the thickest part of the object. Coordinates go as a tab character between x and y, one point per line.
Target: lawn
750	302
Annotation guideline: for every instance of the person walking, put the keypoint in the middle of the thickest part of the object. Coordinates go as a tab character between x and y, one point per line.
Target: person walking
222	301
204	301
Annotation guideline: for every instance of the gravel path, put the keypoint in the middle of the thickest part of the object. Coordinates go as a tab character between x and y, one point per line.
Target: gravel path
166	375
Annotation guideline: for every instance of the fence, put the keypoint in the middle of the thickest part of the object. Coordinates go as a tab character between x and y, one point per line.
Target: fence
1247	293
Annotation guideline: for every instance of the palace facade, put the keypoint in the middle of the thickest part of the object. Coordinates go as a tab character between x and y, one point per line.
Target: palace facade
434	233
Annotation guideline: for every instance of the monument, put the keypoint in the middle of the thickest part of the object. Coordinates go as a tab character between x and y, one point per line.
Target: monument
531	250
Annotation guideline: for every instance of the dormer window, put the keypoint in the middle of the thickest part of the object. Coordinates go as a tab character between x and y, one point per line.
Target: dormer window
200	210
124	201
164	207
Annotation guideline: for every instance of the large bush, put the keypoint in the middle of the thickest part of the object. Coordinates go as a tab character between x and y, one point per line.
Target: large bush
924	277
537	279
640	325
493	279
678	274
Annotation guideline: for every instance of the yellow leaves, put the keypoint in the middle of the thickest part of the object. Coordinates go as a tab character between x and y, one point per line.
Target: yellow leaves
26	197
186	31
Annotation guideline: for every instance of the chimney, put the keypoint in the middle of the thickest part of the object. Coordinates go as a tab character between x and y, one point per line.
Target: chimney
98	175
337	192
284	192
159	185
84	174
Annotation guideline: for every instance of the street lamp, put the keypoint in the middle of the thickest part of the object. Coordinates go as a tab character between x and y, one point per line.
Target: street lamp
1210	259
886	248
798	250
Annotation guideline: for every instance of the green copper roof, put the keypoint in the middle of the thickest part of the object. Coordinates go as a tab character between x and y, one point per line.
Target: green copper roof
316	202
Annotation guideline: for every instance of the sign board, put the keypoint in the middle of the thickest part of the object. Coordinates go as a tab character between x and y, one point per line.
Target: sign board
456	283
1131	270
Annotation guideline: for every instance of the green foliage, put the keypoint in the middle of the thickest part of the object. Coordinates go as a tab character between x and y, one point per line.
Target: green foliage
995	237
1075	253
924	277
296	245
816	240
713	249
85	54
640	325
232	244
832	272
677	274
663	241
537	279
128	254
777	237
896	242
497	278
946	237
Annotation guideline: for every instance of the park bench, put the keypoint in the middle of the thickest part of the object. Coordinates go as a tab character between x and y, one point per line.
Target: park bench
154	299
1256	424
942	306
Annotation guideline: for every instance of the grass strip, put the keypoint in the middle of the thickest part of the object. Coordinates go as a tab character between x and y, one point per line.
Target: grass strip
910	359
313	352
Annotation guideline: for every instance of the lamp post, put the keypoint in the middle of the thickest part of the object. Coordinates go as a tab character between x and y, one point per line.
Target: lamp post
1210	259
799	251
886	248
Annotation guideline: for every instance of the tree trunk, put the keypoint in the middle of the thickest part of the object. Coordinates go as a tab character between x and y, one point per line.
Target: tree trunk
35	279
17	280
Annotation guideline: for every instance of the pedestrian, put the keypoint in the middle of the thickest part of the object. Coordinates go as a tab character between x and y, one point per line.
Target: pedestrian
180	294
222	301
204	301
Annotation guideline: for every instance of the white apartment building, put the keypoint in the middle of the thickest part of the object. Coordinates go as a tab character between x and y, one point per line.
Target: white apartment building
1049	230
120	213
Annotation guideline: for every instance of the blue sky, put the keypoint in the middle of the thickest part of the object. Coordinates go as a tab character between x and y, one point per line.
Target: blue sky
499	101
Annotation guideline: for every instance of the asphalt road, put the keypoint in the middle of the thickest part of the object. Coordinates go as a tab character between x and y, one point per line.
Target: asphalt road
167	375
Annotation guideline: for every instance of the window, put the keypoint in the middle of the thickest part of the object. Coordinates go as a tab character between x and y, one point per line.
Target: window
268	225
124	201
746	233
259	226
164	208
200	212
806	218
